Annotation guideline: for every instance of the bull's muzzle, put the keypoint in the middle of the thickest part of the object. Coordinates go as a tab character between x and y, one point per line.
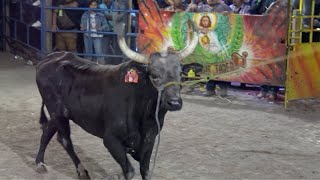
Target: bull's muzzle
174	104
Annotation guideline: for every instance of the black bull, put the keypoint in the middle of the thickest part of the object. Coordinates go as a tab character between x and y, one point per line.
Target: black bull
98	99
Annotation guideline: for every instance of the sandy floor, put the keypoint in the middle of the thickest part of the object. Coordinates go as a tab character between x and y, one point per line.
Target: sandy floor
209	139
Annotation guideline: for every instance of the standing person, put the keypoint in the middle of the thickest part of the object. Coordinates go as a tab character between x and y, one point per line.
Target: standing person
65	19
269	92
239	7
260	6
217	6
110	45
31	13
107	6
94	21
192	7
175	5
162	4
307	11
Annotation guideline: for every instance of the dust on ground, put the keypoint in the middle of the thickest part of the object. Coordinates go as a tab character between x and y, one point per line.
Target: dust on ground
210	138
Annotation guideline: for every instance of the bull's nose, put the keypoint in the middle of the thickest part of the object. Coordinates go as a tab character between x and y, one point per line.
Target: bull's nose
175	104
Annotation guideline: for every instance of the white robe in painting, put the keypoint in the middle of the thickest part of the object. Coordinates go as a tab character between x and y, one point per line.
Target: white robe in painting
210	42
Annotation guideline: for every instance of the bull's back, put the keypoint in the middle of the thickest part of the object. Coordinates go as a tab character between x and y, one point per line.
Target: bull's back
61	89
48	67
89	97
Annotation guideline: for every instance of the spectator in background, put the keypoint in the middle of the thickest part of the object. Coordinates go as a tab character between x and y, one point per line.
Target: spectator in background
269	92
162	4
123	5
94	21
192	7
239	7
217	6
31	12
109	44
260	6
228	2
307	11
134	25
63	19
80	44
83	3
194	1
175	5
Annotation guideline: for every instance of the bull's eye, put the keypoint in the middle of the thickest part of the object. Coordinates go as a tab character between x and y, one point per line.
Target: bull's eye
154	77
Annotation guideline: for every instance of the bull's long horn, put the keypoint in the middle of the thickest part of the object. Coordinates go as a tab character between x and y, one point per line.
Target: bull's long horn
191	47
128	52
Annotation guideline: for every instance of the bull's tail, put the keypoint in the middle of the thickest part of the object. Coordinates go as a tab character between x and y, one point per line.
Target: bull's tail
43	118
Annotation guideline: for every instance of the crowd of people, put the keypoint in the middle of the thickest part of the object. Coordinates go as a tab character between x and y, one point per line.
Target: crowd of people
95	22
218	6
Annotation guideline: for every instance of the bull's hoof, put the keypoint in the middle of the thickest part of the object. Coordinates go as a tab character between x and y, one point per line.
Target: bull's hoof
82	172
130	175
84	175
41	168
146	175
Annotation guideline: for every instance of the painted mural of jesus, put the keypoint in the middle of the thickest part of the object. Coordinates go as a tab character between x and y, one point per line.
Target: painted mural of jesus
208	37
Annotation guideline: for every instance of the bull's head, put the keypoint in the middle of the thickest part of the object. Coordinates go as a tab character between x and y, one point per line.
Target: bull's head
163	68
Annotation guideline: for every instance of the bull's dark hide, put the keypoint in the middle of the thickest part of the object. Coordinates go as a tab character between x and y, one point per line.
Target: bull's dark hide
97	98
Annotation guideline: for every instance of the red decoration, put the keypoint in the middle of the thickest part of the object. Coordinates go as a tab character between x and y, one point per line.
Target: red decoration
131	76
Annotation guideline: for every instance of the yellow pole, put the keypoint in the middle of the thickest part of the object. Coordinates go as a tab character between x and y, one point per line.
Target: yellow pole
300	19
294	25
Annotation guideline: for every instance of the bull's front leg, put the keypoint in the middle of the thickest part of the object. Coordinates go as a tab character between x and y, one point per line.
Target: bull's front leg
145	155
148	137
118	152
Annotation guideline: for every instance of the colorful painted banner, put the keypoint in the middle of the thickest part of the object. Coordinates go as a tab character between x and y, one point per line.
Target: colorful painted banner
240	48
304	72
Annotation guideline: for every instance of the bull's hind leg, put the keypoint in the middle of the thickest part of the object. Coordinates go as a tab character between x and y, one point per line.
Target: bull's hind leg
48	131
119	153
65	140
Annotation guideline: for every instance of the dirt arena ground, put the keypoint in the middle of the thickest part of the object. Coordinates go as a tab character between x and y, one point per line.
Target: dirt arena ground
208	139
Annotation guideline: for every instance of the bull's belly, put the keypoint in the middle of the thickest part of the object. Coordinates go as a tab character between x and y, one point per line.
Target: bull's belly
129	138
94	128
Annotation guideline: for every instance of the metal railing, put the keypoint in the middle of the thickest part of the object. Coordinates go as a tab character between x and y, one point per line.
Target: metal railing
301	23
45	30
2	25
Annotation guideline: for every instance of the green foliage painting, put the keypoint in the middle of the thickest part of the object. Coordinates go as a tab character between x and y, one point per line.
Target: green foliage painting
229	35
